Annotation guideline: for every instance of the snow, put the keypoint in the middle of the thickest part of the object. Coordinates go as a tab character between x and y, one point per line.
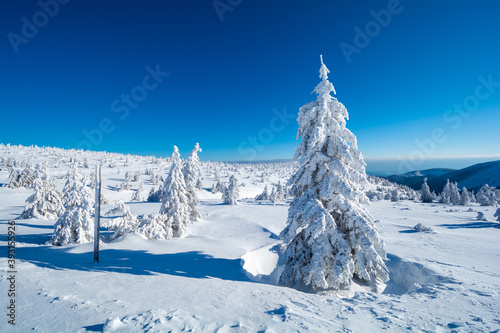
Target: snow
221	277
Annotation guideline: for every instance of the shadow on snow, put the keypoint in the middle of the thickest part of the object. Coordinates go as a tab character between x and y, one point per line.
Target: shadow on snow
192	264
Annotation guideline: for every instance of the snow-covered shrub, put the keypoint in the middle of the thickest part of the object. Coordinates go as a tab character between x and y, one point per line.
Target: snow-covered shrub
497	215
155	226
422	228
480	216
330	238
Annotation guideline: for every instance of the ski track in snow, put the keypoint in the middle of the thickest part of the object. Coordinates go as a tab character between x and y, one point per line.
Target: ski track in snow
442	282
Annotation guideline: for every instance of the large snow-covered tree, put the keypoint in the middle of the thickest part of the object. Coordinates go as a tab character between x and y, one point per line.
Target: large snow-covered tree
330	238
192	176
175	202
76	224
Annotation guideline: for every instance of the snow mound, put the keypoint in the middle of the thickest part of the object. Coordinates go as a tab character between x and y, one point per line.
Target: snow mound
159	321
408	277
261	263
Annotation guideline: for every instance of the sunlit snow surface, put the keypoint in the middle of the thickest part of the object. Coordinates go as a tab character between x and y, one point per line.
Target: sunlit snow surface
220	278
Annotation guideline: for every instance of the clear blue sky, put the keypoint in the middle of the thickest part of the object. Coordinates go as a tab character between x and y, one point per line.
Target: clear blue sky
225	77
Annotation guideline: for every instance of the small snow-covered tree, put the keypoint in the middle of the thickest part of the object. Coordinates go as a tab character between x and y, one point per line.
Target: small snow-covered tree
127	222
13	181
464	197
395	195
425	193
330	238
192	174
264	195
154	196
454	194
445	196
231	193
277	194
214	189
44	203
175	202
137	195
76	224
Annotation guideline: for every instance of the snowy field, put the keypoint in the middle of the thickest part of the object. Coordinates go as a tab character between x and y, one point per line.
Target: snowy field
220	277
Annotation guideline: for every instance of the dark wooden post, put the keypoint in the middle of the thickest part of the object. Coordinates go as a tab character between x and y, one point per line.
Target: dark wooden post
97	220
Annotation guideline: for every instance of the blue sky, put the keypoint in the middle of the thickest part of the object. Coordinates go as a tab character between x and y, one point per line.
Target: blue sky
238	71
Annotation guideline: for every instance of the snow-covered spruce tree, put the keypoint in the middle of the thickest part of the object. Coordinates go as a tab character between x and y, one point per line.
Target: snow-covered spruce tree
175	203
231	193
13	181
331	237
464	197
425	193
454	194
192	168
44	203
192	174
76	224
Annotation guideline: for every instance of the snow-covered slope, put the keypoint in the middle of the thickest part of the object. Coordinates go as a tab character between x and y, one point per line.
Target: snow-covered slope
220	277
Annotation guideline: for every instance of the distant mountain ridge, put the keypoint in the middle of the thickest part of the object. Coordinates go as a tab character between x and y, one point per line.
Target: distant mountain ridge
472	177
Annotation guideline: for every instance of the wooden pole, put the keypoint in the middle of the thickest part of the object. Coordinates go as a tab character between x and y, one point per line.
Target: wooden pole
97	219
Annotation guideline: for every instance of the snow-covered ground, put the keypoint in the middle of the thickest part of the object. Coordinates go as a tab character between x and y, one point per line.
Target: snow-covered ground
219	278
